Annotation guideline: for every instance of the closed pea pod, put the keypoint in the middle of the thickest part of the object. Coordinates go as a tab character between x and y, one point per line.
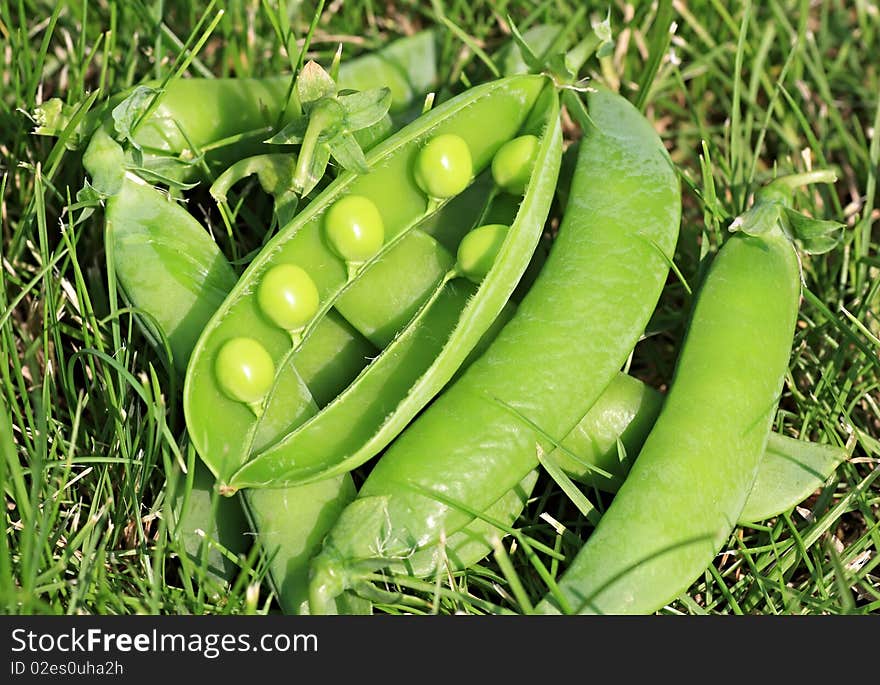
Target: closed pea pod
225	119
622	417
660	533
469	445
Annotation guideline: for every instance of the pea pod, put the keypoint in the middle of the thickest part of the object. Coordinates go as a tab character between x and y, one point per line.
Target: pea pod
419	361
660	532
227	118
331	355
207	524
225	431
599	286
788	472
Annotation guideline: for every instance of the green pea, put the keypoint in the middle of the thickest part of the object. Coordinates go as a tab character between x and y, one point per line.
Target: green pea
444	166
354	228
288	296
512	165
245	370
478	250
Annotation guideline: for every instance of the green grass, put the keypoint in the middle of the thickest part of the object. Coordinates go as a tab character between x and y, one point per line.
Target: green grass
738	92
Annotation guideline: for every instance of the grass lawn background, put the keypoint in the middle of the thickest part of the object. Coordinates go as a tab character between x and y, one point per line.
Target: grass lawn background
738	91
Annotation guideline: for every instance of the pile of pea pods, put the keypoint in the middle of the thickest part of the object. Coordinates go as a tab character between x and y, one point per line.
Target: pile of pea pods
402	321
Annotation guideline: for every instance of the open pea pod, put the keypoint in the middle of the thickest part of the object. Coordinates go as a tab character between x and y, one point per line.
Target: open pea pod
420	361
229	425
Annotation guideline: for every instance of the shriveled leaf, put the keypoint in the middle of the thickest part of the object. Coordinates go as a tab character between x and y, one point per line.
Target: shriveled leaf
334	65
70	122
603	32
314	83
51	117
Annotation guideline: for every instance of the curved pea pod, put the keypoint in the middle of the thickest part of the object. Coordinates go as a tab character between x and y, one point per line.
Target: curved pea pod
468	546
691	479
226	432
289	524
477	440
419	361
226	119
622	417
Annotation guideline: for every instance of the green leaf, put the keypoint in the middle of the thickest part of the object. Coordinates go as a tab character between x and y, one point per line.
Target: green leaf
528	56
155	175
327	118
313	84
816	236
759	219
346	151
89	195
313	170
365	108
292	134
128	112
790	470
